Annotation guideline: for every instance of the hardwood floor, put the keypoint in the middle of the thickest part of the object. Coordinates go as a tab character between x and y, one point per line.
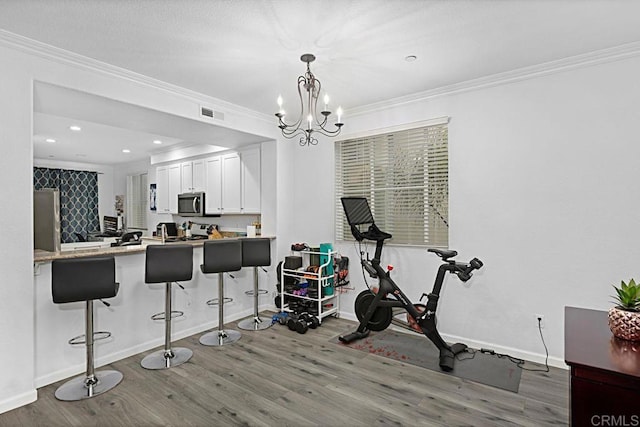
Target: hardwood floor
278	377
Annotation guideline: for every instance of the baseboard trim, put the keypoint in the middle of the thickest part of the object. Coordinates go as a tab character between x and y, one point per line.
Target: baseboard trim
78	369
18	401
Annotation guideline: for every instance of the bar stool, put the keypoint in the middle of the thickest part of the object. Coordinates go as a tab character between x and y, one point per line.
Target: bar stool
221	256
86	279
168	264
256	252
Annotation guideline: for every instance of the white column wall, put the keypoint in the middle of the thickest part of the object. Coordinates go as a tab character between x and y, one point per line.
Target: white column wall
20	66
543	189
16	175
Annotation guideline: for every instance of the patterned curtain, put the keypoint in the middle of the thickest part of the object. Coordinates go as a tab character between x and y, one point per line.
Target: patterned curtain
78	199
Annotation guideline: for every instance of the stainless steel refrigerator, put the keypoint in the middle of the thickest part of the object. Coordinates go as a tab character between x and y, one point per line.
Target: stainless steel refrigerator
46	220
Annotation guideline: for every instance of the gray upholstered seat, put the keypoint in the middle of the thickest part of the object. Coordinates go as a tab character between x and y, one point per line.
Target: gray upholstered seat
168	263
222	256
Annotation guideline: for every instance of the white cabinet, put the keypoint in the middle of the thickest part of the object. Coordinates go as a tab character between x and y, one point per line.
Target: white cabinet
168	186
213	185
162	189
193	176
231	183
250	160
175	187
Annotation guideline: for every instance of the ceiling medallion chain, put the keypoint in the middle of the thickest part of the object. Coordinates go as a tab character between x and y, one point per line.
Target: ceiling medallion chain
308	110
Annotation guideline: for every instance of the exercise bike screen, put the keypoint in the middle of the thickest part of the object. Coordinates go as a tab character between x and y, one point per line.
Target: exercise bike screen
357	210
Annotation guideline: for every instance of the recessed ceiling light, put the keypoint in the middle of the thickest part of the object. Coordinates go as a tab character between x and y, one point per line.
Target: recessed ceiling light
410	58
81	155
50	140
126	150
75	128
157	141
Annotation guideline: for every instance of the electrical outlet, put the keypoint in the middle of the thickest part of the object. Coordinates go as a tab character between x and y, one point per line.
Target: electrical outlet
539	318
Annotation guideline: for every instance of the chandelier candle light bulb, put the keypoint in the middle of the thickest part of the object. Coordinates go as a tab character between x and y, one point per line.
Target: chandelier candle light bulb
316	121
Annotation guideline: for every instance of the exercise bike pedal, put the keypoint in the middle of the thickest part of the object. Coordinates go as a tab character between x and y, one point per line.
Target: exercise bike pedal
353	336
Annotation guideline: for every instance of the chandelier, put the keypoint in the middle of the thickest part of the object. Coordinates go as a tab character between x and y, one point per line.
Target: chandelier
309	122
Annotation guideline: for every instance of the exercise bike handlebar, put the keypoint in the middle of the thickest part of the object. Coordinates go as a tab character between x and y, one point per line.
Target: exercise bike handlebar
465	273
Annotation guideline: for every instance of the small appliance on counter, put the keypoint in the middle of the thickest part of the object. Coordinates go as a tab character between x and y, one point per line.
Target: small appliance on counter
172	229
201	231
129	239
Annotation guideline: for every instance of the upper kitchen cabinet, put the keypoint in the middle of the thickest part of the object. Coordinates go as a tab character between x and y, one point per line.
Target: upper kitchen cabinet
250	160
193	176
168	186
213	185
162	189
175	187
231	184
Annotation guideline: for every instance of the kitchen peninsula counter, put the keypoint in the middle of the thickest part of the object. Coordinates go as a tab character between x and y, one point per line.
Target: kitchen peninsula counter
40	256
128	317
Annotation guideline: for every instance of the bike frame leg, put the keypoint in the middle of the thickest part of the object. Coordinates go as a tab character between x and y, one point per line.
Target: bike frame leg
362	327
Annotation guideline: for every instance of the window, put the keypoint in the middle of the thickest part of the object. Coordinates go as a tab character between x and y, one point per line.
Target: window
78	200
405	176
137	196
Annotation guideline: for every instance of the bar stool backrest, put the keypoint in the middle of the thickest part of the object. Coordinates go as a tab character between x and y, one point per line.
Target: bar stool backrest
256	252
221	256
83	279
168	263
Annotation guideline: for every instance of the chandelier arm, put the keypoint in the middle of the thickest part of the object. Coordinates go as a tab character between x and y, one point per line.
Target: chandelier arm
316	96
291	133
297	123
329	133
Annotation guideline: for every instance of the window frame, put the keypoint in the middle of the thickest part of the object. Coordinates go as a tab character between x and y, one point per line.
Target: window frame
419	152
142	201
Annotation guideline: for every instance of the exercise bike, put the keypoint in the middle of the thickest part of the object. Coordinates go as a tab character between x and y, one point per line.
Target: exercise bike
375	310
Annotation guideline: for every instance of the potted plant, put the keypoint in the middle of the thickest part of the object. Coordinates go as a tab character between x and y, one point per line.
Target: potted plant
624	318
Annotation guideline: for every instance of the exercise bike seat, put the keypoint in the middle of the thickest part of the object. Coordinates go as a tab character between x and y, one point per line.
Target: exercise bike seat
444	253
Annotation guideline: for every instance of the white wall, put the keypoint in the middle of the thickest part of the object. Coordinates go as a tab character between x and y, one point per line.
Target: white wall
16	174
543	189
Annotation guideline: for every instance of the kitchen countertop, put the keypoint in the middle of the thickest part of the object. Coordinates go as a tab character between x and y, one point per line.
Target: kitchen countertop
40	255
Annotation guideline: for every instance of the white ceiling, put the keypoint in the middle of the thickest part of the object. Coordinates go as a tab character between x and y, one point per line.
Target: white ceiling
247	51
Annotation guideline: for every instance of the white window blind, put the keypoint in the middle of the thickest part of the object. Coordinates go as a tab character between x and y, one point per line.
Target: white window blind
405	176
137	195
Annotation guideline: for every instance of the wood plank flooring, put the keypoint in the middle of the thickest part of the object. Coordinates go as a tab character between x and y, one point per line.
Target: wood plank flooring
277	377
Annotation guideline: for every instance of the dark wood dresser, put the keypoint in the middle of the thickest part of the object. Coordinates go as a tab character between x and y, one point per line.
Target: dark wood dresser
605	371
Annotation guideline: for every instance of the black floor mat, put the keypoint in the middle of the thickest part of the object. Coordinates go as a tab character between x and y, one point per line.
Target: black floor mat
417	350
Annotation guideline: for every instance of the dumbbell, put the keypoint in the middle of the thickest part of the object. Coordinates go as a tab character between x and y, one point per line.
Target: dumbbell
306	321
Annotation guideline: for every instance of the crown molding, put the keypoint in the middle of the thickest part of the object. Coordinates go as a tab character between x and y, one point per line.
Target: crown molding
65	57
602	56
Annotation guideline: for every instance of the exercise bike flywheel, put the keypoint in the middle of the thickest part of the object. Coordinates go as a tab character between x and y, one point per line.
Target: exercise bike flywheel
381	317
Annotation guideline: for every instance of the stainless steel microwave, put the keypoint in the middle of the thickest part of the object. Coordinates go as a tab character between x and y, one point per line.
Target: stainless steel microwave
191	204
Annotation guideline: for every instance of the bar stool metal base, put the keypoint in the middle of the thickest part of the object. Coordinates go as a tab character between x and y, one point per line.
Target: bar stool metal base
77	388
254	324
220	338
159	360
